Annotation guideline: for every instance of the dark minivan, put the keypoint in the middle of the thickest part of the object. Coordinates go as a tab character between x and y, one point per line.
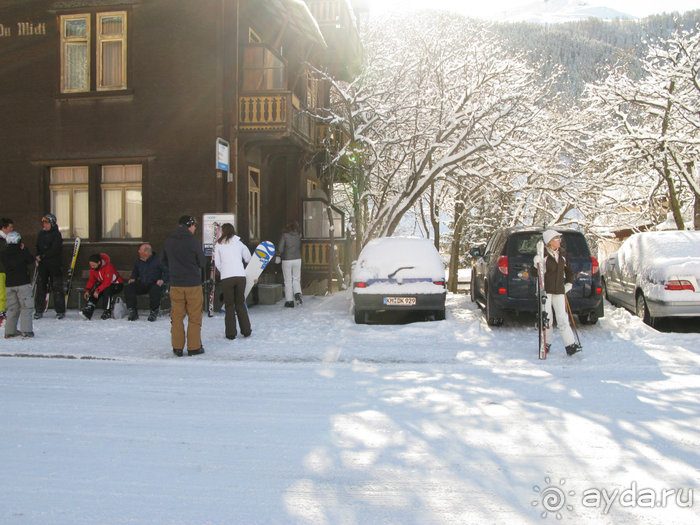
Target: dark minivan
502	280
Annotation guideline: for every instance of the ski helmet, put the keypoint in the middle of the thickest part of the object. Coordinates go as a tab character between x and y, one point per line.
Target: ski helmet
50	218
13	238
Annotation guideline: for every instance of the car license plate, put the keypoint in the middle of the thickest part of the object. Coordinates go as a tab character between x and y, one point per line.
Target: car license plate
400	301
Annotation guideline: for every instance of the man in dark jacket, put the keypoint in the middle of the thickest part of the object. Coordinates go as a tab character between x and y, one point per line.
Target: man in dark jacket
147	277
183	256
16	258
49	245
6	226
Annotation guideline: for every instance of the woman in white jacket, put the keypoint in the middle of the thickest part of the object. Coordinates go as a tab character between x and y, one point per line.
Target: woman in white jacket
230	254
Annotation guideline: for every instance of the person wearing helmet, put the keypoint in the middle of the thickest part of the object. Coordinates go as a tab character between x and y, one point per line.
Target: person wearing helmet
15	259
49	245
6	226
183	256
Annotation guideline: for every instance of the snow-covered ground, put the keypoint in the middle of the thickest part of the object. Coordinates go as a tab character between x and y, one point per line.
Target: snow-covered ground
317	420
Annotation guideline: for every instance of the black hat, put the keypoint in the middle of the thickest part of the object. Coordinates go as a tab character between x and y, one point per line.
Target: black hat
187	220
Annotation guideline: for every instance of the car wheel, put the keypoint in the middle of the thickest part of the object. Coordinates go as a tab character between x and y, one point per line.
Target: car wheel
589	318
643	310
360	317
494	317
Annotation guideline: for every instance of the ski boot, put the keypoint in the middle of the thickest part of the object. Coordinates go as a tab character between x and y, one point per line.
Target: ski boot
107	314
573	348
60	315
297	297
289	304
133	314
38	315
153	315
87	311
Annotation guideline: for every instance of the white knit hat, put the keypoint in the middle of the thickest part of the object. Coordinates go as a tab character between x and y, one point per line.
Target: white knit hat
548	235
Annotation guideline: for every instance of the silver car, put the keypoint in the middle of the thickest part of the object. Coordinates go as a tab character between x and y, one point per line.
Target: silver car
655	274
398	274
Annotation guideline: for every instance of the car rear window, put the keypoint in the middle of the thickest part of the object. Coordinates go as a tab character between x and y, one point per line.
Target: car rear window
524	244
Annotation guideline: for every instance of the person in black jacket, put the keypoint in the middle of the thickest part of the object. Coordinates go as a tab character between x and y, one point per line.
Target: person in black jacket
15	258
6	226
147	277
49	245
183	256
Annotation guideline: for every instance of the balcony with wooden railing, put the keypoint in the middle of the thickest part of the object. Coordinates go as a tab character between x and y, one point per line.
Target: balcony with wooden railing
330	138
275	113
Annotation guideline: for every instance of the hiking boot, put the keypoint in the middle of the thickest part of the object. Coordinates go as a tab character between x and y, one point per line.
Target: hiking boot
86	312
60	315
38	315
153	315
573	348
177	352
133	314
297	297
196	352
107	314
289	304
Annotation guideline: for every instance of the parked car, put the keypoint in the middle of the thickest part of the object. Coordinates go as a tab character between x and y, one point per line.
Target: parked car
503	282
398	273
656	274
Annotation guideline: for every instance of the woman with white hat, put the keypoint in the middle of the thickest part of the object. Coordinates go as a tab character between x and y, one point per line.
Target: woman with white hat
558	281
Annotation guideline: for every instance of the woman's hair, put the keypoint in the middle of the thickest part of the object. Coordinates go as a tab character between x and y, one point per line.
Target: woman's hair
96	258
292	226
227	231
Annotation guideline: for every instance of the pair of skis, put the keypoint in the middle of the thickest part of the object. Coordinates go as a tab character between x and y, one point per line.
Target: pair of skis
212	271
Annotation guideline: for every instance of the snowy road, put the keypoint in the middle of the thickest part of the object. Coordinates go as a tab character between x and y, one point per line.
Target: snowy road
330	422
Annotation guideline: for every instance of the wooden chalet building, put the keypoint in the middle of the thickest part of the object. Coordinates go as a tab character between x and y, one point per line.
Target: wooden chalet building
112	111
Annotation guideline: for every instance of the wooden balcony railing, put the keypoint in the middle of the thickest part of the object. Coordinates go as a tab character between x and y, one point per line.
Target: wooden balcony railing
274	113
330	138
315	254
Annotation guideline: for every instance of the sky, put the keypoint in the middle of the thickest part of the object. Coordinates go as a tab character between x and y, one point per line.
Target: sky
639	8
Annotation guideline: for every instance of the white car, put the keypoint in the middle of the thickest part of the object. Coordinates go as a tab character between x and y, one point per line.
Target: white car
656	274
398	273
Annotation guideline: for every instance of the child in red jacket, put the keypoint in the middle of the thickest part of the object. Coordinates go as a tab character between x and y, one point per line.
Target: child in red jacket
104	281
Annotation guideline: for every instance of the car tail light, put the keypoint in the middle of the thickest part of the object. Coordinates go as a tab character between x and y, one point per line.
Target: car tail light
598	290
595	267
361	285
502	291
679	284
503	264
439	283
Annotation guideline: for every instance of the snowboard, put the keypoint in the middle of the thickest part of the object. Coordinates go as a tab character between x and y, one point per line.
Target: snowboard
542	317
261	257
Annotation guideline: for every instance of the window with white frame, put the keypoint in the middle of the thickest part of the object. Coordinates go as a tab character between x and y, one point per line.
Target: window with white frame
254	203
68	187
109	52
122	215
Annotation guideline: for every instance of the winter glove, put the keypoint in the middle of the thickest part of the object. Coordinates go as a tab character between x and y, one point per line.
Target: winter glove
568	287
278	260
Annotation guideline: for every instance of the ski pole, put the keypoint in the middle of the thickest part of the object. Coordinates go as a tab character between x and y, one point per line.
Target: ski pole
571	318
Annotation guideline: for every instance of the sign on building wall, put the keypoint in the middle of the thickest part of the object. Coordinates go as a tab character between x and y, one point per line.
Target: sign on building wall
222	155
209	221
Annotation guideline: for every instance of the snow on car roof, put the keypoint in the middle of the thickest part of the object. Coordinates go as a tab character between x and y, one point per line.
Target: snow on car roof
383	256
672	251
